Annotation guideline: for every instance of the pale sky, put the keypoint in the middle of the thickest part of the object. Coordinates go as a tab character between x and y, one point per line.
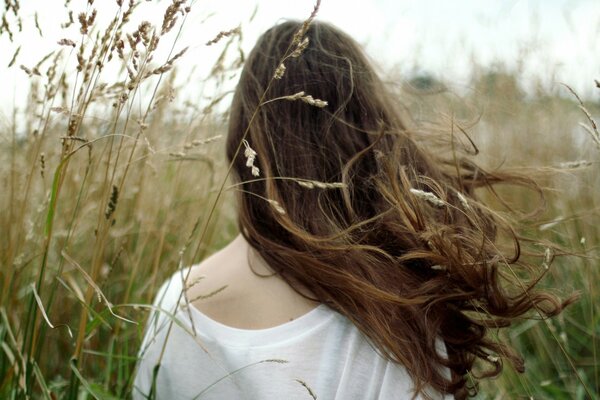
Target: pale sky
560	39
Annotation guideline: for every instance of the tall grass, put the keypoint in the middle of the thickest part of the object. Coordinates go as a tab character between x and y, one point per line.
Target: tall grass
549	130
105	188
109	182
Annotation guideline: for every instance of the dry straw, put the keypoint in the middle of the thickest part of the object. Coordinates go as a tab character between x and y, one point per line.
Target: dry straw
40	304
200	142
574	164
548	257
428	197
591	129
250	155
308	389
112	202
208	295
224	34
309	184
306	98
279	71
276	206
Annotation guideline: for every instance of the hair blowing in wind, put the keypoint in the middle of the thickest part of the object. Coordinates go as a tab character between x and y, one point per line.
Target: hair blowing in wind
339	196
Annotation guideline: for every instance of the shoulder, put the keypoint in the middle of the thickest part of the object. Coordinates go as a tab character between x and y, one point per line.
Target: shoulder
217	280
170	291
199	281
236	288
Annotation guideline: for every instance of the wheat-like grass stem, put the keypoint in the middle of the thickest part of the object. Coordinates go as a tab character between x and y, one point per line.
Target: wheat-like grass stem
31	337
550	330
306	183
103	227
30	332
237	371
308	389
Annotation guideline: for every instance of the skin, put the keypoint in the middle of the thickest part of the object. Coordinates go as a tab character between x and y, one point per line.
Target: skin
249	301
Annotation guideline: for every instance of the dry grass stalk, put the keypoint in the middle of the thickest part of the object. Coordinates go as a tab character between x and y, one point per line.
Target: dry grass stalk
37	24
171	16
276	206
38	300
86	22
42	163
5	27
200	142
308	389
300	48
168	65
314	102
310	184
69	22
299	36
279	71
95	287
574	164
193	283
14	57
250	155
11	6
299	44
112	202
30	72
307	98
548	257
463	200
85	119
223	34
593	129
428	197
209	295
552	223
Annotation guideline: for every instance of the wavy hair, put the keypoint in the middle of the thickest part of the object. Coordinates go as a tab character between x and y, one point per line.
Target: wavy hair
352	205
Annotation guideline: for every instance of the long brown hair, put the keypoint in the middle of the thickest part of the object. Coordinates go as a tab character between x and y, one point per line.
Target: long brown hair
346	201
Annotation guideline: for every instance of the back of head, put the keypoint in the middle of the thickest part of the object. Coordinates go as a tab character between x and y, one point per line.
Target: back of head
338	196
314	138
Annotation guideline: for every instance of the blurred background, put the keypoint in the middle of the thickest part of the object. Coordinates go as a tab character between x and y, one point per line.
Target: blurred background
543	41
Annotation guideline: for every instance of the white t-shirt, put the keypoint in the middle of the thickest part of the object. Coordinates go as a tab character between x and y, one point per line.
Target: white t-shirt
319	355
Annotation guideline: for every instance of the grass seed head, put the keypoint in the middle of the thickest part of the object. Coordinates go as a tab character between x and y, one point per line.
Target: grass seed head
428	197
300	47
276	206
279	71
112	202
463	200
574	164
250	155
66	42
224	34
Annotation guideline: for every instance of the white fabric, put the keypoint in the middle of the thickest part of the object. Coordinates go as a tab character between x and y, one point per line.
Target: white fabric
322	349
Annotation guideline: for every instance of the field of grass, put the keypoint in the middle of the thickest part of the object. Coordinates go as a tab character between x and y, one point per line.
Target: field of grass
543	130
110	182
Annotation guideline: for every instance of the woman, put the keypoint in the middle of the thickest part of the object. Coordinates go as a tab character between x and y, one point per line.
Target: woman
366	267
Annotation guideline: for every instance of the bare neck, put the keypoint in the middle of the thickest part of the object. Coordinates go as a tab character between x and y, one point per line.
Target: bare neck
249	300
